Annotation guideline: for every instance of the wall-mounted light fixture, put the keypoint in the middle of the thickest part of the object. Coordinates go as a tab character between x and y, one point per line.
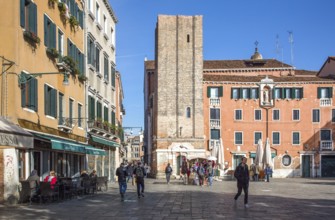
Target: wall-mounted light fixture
24	78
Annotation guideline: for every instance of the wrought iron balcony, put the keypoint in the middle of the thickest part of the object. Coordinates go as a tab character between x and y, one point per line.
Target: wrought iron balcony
326	145
214	101
215	123
325	102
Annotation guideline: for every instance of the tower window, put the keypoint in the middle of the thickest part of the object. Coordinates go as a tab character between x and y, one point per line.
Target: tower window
188	112
188	38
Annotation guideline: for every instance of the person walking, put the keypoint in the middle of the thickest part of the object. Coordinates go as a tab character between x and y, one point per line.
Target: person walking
139	173
184	170
201	174
130	171
256	172
242	176
210	173
168	172
268	172
121	173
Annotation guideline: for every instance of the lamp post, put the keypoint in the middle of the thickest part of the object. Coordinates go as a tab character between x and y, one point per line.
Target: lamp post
23	78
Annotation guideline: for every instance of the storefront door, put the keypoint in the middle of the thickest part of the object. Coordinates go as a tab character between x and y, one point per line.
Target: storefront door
306	166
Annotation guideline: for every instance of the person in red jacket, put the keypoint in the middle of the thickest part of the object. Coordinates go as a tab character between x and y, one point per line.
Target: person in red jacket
52	179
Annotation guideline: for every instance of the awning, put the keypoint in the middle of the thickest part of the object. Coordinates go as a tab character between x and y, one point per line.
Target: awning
104	141
61	144
95	151
14	136
253	155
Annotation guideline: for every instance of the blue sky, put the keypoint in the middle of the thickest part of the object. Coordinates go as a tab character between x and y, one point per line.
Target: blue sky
230	29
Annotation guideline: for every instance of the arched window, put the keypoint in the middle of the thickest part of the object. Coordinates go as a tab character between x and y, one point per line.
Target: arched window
188	112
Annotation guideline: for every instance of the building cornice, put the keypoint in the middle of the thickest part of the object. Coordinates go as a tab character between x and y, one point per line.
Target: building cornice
110	10
248	70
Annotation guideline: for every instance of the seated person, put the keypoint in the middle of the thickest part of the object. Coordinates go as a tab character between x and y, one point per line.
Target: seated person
52	179
34	182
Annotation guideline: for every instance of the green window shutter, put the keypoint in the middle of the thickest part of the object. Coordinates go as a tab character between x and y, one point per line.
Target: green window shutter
22	13
34	18
283	96
319	92
293	93
34	92
53	35
231	93
220	91
106	114
248	93
81	18
113	75
208	91
46	31
330	90
54	103
46	100
89	52
240	94
23	91
301	93
68	47
30	18
113	118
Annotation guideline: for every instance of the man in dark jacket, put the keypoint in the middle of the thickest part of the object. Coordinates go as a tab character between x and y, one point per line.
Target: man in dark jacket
139	173
121	173
242	176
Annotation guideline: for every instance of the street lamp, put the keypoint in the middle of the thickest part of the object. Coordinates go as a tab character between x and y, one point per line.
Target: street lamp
23	78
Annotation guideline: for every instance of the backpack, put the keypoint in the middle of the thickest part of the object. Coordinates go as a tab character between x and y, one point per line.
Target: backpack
168	170
201	171
139	172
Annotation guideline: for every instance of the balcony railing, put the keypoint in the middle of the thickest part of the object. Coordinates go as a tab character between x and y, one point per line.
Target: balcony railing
213	144
325	102
326	145
101	127
215	123
214	101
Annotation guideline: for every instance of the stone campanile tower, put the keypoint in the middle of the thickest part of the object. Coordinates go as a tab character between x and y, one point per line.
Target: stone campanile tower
179	96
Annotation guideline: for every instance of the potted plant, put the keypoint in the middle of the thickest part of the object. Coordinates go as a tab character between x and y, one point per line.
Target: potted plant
82	77
74	23
52	52
31	37
69	61
52	2
63	9
98	122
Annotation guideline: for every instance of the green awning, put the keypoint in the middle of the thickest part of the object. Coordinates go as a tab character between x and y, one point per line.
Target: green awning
104	141
253	155
95	151
61	144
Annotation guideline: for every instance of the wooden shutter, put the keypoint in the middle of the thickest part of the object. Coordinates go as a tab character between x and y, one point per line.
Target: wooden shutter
220	91
22	13
319	93
34	93
301	93
208	91
330	92
113	118
46	101
53	35
81	18
23	91
46	32
53	103
34	18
